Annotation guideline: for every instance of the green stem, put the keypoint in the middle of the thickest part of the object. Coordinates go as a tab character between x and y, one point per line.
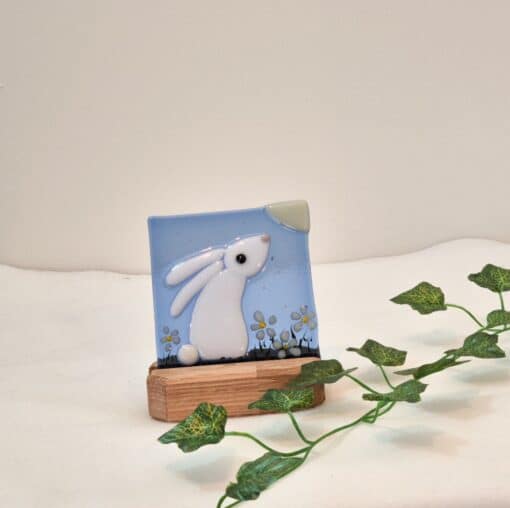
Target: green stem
312	444
470	314
502	302
339	429
386	409
383	372
233	504
355	422
298	428
220	500
359	382
266	447
375	413
372	416
494	329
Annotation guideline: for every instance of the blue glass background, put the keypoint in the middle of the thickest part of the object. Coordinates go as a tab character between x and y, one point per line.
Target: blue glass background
282	287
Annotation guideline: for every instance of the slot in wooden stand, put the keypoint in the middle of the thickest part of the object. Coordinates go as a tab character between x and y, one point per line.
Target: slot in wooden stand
175	392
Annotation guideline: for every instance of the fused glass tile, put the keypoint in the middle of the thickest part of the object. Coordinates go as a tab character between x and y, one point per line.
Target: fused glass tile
233	286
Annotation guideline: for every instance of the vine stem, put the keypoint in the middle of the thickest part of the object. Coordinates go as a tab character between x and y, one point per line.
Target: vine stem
298	428
494	329
312	444
233	504
372	415
470	314
502	302
385	375
389	408
374	412
265	446
359	382
220	500
343	427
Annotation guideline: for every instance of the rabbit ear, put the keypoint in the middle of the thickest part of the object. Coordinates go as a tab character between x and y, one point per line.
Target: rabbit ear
192	265
193	287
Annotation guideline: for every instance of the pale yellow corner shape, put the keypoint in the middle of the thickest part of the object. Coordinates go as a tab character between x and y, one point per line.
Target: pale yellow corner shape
293	214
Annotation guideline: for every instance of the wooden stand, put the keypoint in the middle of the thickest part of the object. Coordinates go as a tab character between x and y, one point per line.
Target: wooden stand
175	392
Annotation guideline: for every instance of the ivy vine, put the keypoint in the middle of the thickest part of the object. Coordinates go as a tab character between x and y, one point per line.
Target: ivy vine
206	425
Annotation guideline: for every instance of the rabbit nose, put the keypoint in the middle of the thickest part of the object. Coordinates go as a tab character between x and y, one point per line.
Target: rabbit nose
265	237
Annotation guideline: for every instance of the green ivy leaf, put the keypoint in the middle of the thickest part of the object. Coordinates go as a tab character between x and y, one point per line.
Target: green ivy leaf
381	355
409	391
431	368
492	277
498	317
256	476
425	298
479	345
282	401
206	425
319	372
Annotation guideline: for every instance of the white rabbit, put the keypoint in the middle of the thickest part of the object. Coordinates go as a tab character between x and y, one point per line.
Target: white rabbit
217	327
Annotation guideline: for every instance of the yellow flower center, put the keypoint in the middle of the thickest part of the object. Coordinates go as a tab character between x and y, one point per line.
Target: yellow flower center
306	319
285	346
262	324
169	338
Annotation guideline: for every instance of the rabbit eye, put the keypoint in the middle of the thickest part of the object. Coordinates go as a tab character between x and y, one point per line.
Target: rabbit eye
241	258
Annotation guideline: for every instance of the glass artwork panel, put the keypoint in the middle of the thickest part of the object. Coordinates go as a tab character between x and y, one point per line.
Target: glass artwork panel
233	286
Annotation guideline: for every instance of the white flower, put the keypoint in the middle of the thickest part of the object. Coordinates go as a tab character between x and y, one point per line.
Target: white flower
285	346
260	325
304	318
171	339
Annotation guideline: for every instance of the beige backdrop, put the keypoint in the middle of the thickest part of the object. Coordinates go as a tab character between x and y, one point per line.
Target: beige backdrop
392	118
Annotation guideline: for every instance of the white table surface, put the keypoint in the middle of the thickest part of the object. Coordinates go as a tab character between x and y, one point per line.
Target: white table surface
74	428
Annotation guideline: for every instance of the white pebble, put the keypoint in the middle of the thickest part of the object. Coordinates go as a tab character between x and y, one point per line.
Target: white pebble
188	354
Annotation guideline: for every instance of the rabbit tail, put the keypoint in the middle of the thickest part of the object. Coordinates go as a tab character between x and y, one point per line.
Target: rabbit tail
188	354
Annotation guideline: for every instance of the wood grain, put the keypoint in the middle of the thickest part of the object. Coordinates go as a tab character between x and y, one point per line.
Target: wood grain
174	393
